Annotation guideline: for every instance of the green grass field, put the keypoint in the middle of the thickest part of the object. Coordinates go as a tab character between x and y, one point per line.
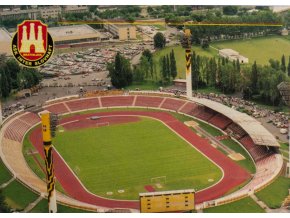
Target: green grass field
245	205
247	163
274	194
146	149
18	196
4	173
259	49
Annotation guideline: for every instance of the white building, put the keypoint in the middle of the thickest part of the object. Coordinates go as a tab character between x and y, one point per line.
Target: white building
233	55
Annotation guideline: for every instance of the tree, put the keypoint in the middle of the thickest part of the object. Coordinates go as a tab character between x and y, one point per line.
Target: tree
168	68
230	10
159	40
254	78
283	64
205	44
4	208
288	68
120	72
173	68
5	91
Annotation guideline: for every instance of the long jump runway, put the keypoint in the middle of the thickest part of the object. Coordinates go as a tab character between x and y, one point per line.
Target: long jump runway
234	175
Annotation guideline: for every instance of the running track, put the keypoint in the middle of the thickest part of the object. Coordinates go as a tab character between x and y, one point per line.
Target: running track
234	175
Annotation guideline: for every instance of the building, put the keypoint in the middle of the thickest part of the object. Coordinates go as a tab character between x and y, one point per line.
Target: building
123	32
233	55
50	12
180	83
75	9
5	41
31	14
284	32
75	34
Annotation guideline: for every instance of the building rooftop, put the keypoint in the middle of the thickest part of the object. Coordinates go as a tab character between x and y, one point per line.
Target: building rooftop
73	32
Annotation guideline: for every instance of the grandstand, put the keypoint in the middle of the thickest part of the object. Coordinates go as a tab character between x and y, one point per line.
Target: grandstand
261	145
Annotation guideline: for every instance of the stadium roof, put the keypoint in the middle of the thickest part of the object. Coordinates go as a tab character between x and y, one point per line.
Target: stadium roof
73	32
259	134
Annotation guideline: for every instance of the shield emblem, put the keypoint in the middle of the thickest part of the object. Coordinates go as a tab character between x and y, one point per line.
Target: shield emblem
32	39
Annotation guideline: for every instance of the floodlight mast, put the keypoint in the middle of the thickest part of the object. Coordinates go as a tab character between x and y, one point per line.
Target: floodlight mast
186	43
47	142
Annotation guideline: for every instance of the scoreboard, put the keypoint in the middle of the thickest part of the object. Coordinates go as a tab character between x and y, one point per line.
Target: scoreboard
167	201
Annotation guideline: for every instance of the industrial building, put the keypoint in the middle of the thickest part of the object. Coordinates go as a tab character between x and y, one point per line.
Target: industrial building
123	32
75	34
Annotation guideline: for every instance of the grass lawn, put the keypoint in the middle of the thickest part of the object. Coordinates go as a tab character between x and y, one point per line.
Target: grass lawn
147	85
18	196
284	146
5	176
146	149
208	128
179	53
247	163
245	205
274	194
272	47
42	207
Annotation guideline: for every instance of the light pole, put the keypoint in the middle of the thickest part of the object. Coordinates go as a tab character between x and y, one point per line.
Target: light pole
186	43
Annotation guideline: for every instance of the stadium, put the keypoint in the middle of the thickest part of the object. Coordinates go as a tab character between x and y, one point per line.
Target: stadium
129	156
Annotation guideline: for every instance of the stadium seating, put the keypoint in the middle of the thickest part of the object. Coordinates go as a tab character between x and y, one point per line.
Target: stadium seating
188	108
30	118
147	101
236	131
58	108
83	104
16	130
220	121
205	113
172	104
114	101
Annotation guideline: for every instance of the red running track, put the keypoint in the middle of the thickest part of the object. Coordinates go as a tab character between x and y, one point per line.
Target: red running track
234	175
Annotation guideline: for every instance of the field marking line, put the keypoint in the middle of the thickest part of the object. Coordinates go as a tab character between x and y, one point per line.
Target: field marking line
73	121
183	106
33	204
4	185
100	102
67	107
134	101
164	99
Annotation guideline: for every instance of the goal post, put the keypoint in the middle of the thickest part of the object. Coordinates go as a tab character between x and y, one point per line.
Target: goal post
159	179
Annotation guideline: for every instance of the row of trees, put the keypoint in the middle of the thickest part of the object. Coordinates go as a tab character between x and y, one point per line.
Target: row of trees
255	82
14	77
200	33
145	69
130	13
168	67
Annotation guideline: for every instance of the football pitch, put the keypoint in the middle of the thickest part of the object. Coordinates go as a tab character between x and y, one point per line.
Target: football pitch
118	161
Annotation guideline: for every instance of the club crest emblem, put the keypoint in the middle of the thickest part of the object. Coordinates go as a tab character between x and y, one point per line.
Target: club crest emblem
32	45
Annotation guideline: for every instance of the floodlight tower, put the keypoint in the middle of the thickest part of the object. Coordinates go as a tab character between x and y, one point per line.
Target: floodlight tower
49	123
186	43
284	89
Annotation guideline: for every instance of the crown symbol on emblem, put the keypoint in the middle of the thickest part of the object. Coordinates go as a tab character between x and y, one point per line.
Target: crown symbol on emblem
26	43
